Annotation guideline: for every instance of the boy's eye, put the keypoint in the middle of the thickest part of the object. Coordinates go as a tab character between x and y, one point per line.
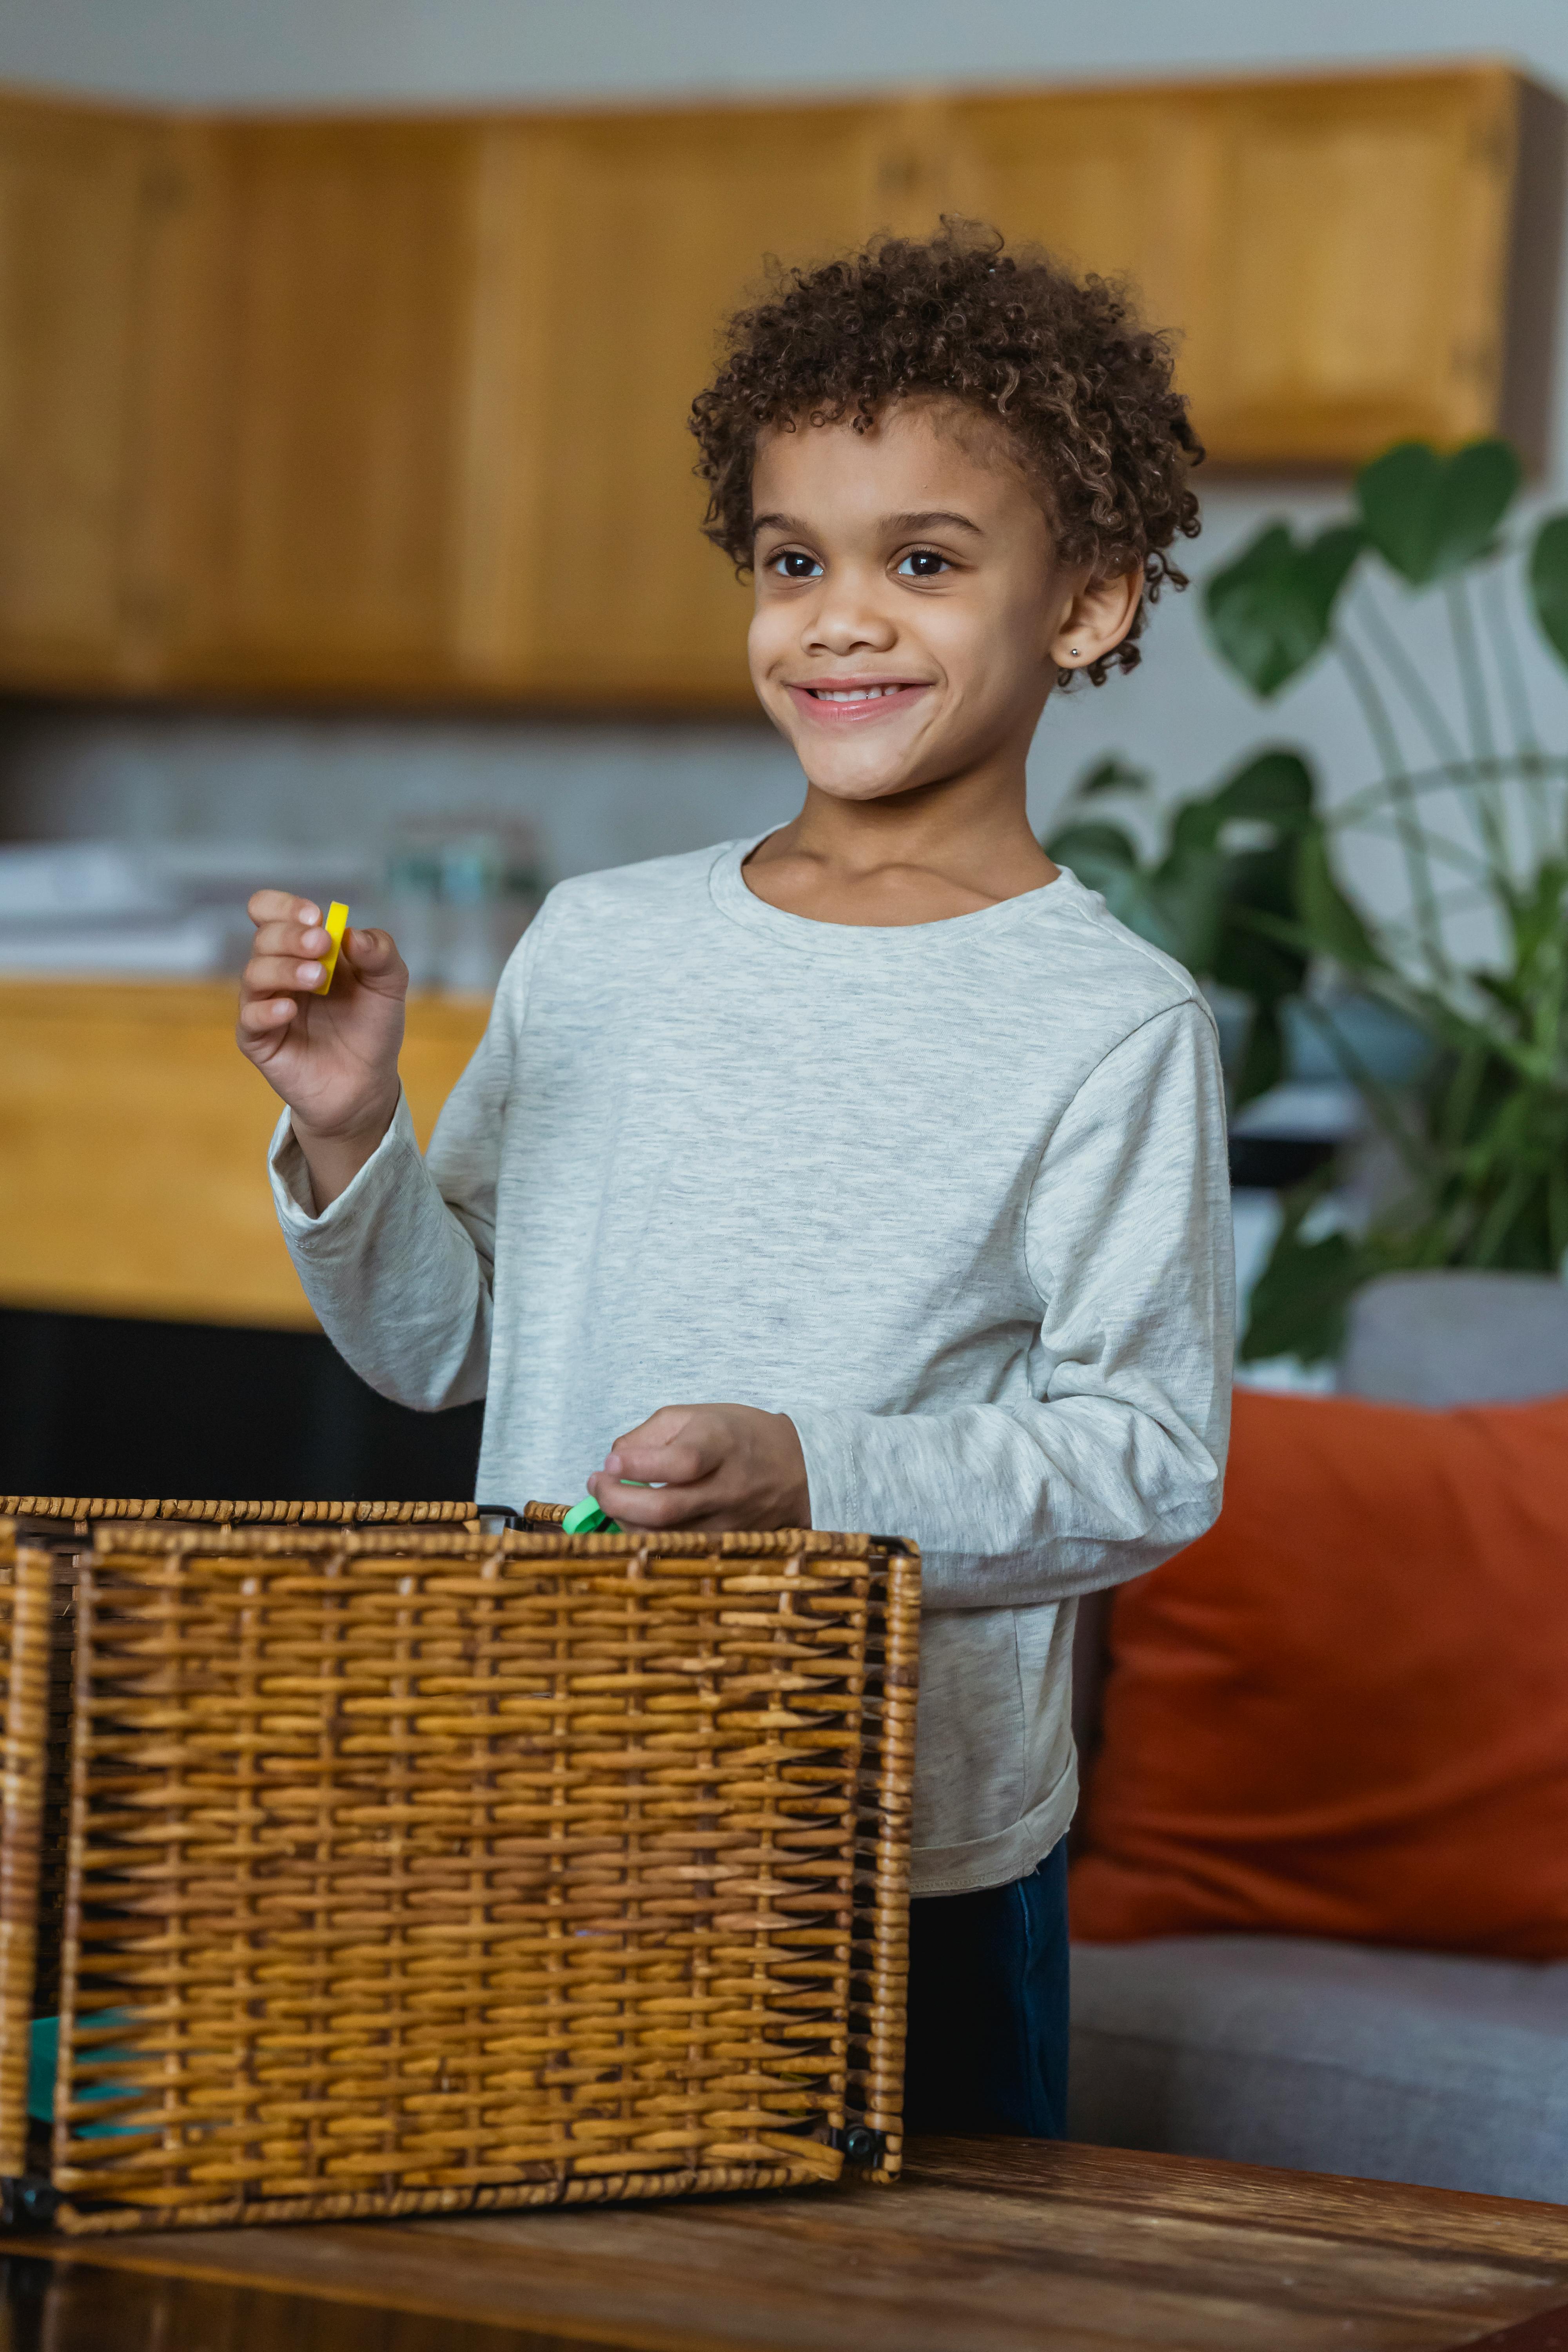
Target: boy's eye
795	565
922	563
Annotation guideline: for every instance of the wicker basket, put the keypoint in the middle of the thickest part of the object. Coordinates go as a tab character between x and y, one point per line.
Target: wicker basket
375	1865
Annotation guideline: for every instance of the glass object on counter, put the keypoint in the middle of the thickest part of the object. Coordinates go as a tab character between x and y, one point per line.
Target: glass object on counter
461	894
152	910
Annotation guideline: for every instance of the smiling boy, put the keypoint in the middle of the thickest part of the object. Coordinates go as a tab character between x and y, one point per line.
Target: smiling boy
878	1132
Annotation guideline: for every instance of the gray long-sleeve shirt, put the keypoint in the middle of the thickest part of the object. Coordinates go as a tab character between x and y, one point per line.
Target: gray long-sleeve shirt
952	1196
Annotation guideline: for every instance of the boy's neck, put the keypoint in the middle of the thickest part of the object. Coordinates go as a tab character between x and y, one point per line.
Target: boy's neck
920	857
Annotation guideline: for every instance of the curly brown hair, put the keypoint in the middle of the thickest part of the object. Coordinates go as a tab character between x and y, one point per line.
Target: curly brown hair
1082	388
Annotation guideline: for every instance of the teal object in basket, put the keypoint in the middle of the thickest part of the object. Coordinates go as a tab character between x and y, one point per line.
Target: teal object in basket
42	2061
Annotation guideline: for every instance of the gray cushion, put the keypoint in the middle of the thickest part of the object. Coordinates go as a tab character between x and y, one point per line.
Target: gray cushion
1456	1338
1326	2057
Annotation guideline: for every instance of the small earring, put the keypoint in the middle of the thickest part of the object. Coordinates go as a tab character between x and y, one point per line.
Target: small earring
1072	651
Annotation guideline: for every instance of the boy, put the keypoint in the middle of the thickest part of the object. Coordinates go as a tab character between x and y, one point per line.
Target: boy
879	1131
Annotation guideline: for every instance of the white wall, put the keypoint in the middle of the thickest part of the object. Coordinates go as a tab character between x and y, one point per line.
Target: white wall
602	794
258	52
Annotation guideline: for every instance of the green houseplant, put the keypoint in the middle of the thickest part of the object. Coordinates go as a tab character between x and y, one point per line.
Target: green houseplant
1248	890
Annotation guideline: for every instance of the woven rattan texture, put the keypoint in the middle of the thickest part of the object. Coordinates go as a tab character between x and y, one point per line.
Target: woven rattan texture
52	1870
84	1510
884	1823
24	1751
427	1870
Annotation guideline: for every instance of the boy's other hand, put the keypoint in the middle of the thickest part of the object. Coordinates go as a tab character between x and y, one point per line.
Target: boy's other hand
711	1467
333	1058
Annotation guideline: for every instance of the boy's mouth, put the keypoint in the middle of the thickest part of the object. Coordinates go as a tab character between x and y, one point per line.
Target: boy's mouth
837	702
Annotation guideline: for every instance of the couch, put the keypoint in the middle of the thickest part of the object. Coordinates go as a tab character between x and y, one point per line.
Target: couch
1328	2057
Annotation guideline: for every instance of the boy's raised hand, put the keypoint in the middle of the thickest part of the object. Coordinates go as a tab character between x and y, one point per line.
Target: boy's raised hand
713	1468
333	1058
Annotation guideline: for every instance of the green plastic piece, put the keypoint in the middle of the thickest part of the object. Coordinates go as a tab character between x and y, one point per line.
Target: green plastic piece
585	1519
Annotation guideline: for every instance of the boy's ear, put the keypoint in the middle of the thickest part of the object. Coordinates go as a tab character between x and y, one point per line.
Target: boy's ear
1097	619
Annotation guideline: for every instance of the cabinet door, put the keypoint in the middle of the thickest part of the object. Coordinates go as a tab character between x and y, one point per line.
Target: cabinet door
658	228
1361	281
1332	254
1123	184
337	322
77	188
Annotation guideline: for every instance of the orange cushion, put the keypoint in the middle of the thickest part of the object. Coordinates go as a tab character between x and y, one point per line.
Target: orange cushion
1344	1712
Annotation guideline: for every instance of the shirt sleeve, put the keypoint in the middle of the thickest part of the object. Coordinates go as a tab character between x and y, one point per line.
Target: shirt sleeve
1115	1458
400	1266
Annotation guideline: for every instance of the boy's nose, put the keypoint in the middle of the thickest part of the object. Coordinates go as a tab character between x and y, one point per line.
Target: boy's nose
843	621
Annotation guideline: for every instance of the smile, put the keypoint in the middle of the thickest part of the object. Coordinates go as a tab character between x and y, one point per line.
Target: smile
838	705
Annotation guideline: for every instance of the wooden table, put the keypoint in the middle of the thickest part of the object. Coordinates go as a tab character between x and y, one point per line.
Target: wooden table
985	2246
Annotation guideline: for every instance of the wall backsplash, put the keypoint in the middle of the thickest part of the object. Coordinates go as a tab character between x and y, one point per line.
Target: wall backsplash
594	795
599	792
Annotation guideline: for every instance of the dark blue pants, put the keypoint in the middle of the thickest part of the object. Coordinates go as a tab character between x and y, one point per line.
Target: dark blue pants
987	2049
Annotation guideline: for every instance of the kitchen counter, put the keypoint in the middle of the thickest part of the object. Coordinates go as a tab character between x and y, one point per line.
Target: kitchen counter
133	1148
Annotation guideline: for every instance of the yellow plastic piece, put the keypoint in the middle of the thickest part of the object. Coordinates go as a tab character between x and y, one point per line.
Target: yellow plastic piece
336	924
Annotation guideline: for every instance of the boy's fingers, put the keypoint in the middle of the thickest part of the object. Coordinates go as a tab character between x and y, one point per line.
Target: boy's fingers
263	1025
281	907
647	1507
372	953
290	939
270	975
259	1013
679	1442
679	1464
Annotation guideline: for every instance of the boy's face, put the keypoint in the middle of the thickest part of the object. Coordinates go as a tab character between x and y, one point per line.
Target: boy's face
911	611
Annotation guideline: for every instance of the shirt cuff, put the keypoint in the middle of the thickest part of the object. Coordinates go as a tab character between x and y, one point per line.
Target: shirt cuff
828	1437
290	1179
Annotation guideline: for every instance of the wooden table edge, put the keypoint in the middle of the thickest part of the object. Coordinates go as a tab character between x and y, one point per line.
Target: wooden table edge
1301	2203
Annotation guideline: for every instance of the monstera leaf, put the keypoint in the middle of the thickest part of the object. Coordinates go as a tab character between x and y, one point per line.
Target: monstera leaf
1330	922
1429	516
1106	859
1270	611
1298	1301
1228	912
1112	775
1275	788
1549	582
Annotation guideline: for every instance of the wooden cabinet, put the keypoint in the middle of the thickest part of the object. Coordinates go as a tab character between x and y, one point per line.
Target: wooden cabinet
1360	266
133	1148
1122	182
448	450
658	229
397	409
110	246
340	324
81	193
1332	254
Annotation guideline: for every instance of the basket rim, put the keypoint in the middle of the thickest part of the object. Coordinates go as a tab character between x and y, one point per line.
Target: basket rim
218	1511
815	1544
428	1530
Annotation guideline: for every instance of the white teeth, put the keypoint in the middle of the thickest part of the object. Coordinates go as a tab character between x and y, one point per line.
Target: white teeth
851	693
